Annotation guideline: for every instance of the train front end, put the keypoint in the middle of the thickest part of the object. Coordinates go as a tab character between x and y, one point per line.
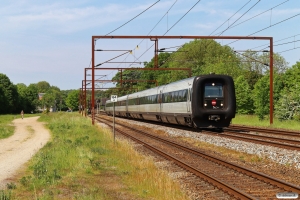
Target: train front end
213	101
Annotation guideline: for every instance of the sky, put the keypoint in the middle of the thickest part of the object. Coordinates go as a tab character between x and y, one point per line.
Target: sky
52	40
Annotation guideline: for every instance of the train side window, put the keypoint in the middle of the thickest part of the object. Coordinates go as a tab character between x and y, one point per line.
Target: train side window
141	101
180	96
170	97
184	95
159	98
175	95
166	97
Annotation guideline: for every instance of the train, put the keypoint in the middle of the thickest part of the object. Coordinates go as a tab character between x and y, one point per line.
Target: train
204	101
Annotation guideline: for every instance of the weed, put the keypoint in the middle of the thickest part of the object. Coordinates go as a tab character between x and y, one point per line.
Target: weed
99	150
11	186
25	180
5	195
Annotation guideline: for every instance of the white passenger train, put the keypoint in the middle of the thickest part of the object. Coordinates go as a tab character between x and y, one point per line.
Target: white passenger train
201	101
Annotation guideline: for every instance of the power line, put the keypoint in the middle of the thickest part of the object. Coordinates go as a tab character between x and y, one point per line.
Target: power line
286	43
240	17
289	50
230	17
268	27
172	26
182	17
151	31
275	41
257	15
132	18
160	20
130	21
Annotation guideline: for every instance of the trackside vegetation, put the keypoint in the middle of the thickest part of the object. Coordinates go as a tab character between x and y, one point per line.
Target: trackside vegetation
6	128
82	162
253	120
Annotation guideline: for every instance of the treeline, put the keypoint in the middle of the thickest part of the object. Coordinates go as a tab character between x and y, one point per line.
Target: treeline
14	98
249	69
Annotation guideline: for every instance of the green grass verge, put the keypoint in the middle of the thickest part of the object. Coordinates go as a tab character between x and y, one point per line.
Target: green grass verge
82	162
252	120
6	127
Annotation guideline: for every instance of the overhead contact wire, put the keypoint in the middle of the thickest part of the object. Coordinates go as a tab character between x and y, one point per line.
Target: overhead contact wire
230	17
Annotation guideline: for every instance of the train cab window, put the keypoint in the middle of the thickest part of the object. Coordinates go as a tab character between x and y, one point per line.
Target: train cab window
213	90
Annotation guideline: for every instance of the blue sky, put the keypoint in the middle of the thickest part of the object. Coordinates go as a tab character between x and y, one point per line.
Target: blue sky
51	40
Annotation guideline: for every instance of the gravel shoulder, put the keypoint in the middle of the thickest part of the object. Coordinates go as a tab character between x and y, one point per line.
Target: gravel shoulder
30	136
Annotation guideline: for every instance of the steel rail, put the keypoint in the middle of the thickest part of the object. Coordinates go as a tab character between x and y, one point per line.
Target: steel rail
297	142
257	141
265	130
217	183
260	176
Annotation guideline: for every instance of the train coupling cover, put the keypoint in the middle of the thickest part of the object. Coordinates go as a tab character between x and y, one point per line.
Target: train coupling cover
214	117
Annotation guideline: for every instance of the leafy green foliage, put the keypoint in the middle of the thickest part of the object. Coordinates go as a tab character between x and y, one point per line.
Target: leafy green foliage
288	105
9	97
261	97
72	100
243	96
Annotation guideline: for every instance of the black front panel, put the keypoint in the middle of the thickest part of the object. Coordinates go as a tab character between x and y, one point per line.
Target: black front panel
213	98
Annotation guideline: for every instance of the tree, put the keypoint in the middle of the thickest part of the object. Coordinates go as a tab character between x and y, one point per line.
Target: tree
22	105
261	97
9	95
32	97
256	65
261	94
288	105
72	100
43	86
243	96
203	57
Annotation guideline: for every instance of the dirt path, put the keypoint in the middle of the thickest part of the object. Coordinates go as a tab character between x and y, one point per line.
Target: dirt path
30	135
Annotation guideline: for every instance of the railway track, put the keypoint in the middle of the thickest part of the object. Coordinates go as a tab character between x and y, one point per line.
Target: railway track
279	132
239	182
284	139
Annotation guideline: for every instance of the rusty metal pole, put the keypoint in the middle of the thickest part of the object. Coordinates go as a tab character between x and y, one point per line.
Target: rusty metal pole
79	101
93	80
85	92
156	54
82	98
121	78
271	81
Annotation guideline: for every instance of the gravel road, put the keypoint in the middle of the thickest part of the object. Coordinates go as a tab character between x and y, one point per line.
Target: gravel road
30	135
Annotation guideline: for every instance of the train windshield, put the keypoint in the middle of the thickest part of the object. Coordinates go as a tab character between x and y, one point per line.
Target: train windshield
213	90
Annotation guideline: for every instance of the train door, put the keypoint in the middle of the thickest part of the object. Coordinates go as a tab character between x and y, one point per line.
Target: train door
160	101
188	102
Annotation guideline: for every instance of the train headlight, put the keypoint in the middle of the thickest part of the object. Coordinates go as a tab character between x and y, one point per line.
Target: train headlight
221	103
205	104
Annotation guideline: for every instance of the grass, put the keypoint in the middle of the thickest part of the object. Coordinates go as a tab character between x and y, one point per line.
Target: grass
252	120
6	127
82	162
